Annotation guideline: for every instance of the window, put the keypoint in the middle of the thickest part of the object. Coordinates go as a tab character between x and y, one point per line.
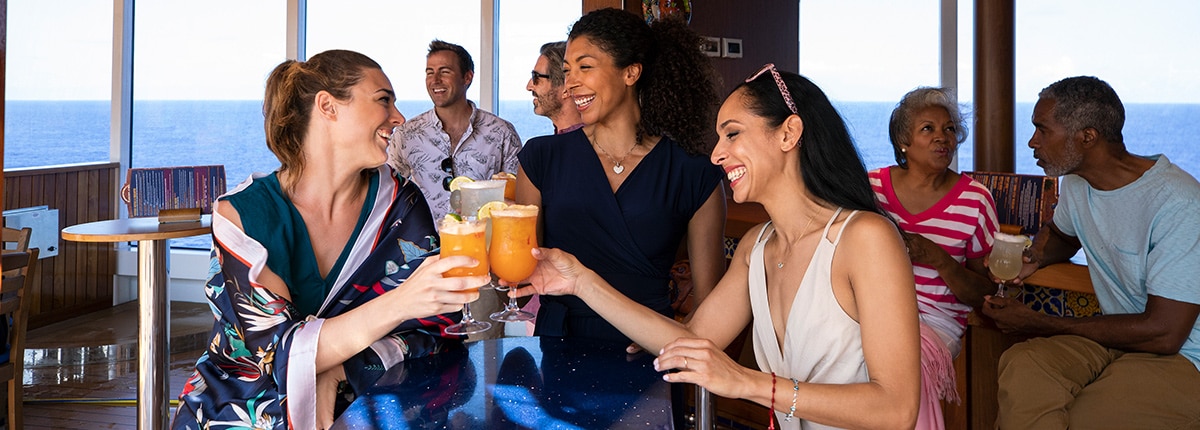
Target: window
1145	51
524	26
865	55
57	83
200	73
397	36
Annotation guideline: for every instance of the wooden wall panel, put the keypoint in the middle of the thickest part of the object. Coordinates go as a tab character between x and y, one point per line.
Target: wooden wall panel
80	278
590	5
769	29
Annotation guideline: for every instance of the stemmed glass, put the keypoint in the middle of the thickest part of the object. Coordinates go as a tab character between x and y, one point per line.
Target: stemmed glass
514	235
474	196
465	238
1005	260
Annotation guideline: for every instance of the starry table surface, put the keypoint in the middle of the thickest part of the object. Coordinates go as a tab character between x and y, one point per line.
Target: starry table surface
515	383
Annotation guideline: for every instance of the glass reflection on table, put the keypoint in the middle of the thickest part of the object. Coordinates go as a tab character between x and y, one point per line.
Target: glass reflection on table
518	383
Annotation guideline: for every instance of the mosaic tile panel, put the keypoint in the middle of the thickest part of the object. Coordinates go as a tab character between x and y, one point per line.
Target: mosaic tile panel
1052	301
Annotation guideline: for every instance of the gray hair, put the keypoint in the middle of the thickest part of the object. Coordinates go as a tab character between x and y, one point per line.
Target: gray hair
901	123
1087	102
554	52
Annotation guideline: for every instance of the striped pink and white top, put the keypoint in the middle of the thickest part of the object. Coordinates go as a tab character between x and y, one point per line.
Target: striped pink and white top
963	223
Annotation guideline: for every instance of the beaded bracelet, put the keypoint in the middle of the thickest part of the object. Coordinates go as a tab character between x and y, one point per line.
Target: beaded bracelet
795	390
771	412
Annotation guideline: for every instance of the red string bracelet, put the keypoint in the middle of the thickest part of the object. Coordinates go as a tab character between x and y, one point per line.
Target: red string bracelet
771	413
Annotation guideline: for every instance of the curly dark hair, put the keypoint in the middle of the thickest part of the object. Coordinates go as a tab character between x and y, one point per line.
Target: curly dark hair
677	92
829	162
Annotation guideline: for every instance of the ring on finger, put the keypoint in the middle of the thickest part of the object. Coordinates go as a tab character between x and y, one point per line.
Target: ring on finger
685	363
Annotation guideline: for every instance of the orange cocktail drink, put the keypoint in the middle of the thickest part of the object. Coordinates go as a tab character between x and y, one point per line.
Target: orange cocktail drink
510	185
514	235
465	238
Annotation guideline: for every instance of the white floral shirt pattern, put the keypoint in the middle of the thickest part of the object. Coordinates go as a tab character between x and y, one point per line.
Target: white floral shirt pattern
488	146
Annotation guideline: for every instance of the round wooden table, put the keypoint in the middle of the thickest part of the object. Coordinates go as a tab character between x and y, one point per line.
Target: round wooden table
153	306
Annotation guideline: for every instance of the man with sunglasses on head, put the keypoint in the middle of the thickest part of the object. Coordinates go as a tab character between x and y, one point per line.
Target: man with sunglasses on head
455	138
550	99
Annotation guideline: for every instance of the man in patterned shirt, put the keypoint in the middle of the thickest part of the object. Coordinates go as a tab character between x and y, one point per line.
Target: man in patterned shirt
454	138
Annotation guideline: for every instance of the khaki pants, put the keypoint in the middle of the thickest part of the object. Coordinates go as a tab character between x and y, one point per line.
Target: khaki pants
1072	382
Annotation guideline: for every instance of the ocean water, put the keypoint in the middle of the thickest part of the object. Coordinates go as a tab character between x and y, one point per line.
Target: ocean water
178	133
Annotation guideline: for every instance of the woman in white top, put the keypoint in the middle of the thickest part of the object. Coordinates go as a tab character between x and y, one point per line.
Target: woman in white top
826	283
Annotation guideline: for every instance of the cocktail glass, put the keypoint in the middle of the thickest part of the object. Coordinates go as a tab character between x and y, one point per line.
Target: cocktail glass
465	238
1005	260
514	235
478	193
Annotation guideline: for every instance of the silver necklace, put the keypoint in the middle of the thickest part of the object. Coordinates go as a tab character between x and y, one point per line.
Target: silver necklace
617	167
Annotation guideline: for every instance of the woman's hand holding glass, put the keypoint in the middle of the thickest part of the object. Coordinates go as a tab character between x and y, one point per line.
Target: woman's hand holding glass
557	273
429	291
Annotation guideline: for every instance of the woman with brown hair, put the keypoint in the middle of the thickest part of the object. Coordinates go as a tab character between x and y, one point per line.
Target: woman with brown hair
322	274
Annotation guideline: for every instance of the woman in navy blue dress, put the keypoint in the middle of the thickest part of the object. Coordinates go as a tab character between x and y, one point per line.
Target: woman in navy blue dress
625	191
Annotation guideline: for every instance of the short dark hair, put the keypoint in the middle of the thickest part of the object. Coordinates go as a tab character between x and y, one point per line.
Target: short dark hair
1087	102
554	52
901	124
465	63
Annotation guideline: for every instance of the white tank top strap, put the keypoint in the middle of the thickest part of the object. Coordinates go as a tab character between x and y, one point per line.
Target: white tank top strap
825	232
762	232
844	225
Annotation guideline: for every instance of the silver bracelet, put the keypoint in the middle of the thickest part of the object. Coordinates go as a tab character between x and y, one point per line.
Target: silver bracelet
795	390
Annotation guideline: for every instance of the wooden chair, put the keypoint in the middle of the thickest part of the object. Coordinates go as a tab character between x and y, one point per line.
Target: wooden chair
13	307
19	238
1023	203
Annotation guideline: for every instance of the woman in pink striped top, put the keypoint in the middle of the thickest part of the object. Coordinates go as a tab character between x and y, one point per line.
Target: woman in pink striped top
948	221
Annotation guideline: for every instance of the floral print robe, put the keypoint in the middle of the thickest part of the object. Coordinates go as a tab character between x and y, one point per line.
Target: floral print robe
259	371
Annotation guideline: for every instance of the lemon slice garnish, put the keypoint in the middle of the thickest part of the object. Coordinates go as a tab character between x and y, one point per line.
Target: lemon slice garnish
457	182
485	211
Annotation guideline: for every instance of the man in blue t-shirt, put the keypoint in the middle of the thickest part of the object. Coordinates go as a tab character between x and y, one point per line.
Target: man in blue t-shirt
1138	221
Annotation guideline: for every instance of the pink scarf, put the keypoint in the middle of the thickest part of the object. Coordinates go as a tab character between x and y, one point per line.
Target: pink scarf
937	380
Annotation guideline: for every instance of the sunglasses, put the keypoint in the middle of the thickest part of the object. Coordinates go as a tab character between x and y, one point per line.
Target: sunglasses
448	167
783	91
535	76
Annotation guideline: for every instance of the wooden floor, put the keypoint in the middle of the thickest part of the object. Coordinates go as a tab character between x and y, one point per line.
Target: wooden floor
105	368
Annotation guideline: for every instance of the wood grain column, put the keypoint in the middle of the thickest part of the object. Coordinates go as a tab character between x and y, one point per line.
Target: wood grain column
994	85
3	54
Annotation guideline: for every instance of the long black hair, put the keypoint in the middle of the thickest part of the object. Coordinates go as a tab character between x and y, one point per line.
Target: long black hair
677	92
829	163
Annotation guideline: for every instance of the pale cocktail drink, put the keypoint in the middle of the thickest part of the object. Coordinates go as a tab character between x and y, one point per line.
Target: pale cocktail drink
1005	260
